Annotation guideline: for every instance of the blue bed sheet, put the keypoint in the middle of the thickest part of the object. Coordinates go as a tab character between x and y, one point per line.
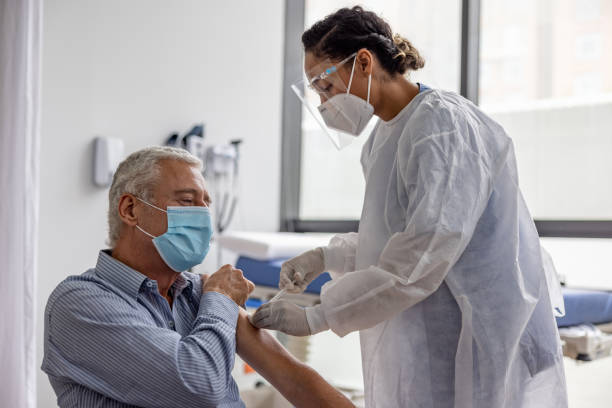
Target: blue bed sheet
586	306
266	273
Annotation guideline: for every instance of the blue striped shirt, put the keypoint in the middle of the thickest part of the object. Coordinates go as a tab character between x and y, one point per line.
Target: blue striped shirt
111	340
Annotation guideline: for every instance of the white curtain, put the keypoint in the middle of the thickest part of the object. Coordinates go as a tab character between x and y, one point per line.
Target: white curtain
20	41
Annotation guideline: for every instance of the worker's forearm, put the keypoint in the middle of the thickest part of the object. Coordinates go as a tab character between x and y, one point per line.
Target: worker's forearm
300	384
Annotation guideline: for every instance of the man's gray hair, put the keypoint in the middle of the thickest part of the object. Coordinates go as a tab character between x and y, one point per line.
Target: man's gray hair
137	175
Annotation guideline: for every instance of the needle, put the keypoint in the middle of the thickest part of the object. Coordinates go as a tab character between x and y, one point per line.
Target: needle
278	295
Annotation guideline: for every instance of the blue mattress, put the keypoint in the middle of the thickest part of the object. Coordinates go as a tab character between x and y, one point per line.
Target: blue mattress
585	306
265	273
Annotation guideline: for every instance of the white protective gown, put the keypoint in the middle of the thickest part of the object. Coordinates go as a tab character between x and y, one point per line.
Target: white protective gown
445	279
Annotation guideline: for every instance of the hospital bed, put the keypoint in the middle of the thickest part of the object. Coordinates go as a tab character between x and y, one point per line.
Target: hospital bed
585	329
261	254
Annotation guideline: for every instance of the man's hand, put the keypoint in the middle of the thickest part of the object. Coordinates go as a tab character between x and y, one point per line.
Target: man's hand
230	282
298	272
283	316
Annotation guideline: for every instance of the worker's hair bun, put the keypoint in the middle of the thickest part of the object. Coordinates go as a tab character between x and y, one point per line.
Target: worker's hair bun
349	29
408	57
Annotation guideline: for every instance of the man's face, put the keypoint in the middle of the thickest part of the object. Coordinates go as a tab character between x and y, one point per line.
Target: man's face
179	184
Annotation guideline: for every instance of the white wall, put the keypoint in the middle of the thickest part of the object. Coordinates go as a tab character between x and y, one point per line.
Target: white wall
138	70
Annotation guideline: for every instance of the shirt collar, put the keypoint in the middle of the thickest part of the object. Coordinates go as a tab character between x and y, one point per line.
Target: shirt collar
183	281
119	274
130	280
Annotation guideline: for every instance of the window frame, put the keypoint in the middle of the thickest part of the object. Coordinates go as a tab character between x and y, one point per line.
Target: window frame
291	151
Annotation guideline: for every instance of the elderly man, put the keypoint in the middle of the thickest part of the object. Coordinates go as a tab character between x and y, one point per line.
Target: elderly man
138	330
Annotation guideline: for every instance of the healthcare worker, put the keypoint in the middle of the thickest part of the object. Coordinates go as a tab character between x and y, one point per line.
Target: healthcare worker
445	278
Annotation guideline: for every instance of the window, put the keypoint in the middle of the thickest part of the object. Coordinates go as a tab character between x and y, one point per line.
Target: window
540	68
547	86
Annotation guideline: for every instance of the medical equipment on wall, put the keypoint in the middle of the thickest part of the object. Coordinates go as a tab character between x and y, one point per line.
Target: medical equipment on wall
192	141
108	153
220	170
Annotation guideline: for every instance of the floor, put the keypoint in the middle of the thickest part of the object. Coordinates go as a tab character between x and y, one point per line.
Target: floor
589	385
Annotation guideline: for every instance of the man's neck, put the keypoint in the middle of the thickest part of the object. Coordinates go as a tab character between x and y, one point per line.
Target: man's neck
152	266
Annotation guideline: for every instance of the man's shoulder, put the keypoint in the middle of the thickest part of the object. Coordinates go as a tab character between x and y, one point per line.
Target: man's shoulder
83	289
86	281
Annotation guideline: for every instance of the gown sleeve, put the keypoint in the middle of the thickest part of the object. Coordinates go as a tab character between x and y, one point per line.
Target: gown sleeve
340	254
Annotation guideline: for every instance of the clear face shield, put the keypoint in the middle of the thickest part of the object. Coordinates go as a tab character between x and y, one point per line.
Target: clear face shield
341	115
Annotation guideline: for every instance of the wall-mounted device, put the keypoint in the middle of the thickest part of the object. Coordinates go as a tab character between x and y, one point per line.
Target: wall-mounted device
221	169
108	153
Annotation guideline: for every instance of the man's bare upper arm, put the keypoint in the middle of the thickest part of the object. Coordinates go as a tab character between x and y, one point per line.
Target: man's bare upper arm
300	384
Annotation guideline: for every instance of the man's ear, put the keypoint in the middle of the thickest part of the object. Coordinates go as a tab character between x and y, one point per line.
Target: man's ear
127	211
364	61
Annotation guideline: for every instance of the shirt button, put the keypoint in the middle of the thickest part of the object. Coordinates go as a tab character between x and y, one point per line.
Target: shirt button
171	324
149	284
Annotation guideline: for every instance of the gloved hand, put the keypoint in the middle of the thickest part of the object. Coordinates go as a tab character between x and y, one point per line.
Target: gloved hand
283	316
298	272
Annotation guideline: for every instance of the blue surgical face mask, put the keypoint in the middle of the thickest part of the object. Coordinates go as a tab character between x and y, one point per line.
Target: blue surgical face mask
187	240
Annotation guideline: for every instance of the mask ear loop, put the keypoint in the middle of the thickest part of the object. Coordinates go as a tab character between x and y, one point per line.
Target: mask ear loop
145	232
351	80
151	205
369	84
348	90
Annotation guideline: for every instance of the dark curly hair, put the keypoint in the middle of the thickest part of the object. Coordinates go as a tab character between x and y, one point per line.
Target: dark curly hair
349	29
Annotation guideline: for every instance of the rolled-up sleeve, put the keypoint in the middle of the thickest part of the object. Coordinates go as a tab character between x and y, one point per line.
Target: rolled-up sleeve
104	344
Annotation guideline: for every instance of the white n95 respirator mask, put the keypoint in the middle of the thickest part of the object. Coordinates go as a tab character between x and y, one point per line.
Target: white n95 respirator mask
346	112
341	115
